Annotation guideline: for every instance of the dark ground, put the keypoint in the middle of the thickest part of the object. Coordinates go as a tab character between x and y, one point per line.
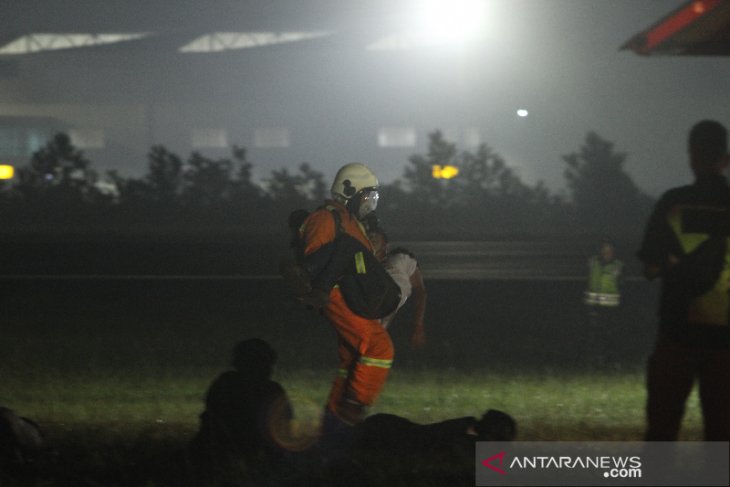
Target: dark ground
75	323
510	323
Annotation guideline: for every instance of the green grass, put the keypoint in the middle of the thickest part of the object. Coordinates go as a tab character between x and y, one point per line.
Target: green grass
116	373
548	405
104	423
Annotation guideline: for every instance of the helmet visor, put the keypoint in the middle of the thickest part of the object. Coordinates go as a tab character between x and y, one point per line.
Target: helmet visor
368	202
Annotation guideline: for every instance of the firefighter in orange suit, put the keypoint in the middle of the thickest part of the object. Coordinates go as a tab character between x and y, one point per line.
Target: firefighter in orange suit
364	346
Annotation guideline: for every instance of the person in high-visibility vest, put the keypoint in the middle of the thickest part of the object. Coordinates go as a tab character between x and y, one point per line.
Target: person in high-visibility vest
604	274
602	298
687	245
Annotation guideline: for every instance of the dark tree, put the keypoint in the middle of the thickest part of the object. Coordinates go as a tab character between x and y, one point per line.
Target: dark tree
207	182
424	190
296	190
58	173
164	179
604	195
244	192
486	197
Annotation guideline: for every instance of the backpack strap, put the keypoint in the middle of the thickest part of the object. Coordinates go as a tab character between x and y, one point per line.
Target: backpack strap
339	229
338	220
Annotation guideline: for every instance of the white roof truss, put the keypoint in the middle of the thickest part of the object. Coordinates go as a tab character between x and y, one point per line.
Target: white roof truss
49	42
223	41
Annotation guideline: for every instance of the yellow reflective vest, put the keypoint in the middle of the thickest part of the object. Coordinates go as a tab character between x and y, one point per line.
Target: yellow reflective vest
712	307
603	286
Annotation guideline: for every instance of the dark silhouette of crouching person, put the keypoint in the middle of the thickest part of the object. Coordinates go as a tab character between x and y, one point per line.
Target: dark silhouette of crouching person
245	413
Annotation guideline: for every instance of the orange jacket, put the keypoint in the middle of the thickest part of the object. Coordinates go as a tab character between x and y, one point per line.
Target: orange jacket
319	227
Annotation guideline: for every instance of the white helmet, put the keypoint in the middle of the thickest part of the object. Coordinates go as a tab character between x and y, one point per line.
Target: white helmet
356	186
351	179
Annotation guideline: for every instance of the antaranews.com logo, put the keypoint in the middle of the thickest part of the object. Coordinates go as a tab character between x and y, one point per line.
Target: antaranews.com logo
607	466
601	463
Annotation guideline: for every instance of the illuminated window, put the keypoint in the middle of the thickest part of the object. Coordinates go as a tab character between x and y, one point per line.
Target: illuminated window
271	137
35	140
50	42
451	134
396	137
209	139
462	137
472	137
11	142
223	41
87	138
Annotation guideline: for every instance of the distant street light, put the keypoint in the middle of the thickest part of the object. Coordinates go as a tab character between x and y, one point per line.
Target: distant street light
444	172
522	112
7	171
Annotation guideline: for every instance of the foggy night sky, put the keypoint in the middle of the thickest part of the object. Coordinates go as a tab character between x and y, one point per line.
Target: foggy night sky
559	59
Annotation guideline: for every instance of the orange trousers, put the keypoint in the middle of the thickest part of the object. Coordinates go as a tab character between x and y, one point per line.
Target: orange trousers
365	352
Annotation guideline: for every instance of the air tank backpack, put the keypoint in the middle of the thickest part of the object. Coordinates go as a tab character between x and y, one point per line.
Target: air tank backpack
366	286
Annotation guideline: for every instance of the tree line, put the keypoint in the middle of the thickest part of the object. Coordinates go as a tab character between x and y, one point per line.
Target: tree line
59	191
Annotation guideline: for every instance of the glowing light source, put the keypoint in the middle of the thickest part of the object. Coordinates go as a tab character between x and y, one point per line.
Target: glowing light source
522	112
444	171
7	171
438	22
450	20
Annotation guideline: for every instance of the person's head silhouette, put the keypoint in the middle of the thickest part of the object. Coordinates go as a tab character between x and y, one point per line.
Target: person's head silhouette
254	357
708	148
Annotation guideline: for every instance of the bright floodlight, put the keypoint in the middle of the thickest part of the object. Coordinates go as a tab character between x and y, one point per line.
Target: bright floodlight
450	20
522	112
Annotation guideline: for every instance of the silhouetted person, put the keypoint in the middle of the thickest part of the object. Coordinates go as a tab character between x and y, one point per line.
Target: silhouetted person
245	413
388	431
686	245
390	447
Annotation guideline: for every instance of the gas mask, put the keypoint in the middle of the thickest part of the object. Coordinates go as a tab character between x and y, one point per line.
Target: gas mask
363	203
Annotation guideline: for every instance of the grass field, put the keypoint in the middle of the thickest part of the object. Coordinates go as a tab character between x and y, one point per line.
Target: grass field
112	429
116	372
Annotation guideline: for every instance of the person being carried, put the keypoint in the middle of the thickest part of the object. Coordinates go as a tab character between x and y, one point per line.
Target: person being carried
403	267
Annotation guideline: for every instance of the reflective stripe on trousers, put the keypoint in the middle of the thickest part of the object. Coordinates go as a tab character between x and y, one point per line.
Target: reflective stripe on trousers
365	351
